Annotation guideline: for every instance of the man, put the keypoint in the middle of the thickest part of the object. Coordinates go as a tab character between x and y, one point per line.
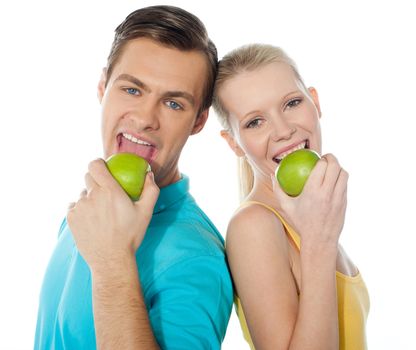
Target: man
148	274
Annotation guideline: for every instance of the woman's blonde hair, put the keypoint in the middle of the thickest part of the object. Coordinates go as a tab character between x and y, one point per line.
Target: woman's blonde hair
246	58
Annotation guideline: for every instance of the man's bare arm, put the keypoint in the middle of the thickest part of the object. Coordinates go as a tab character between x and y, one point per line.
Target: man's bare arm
120	314
108	228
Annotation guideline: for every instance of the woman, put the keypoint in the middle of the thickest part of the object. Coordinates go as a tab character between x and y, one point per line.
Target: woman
296	286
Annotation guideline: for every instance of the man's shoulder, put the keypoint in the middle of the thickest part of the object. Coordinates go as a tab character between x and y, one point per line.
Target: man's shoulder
184	234
188	233
186	220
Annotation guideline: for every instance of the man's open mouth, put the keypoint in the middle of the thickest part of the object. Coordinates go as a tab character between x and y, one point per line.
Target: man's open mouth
278	158
131	144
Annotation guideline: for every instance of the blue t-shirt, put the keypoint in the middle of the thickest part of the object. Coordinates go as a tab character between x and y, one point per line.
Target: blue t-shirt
183	272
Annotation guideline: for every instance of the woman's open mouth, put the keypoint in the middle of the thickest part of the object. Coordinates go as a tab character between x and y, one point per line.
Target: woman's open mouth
278	158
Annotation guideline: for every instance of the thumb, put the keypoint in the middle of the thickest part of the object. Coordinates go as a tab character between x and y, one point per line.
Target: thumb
149	195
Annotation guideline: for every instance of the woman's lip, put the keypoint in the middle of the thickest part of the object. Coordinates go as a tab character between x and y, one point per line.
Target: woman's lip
288	148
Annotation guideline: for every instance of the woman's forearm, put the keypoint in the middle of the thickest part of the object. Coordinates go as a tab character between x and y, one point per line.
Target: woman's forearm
317	320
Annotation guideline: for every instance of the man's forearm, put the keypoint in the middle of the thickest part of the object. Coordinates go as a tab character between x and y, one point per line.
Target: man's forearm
120	315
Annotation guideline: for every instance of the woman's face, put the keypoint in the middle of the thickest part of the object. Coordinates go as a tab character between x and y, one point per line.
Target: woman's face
271	114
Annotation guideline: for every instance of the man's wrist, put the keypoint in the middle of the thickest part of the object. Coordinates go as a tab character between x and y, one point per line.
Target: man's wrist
114	267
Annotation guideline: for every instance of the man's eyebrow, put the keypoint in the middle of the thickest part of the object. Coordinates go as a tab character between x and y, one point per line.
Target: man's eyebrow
186	95
133	80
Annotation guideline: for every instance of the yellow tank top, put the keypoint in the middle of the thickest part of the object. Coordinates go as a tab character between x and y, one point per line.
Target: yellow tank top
353	302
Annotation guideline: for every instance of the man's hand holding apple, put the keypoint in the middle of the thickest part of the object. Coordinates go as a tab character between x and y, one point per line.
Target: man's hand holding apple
106	224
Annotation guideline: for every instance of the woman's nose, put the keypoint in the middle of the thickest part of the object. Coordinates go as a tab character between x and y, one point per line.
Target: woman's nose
282	129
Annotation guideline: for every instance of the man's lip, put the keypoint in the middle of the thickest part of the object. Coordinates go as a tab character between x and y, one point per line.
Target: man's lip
139	137
149	155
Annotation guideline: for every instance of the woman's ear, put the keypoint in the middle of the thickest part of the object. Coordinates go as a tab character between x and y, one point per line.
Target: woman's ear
101	84
315	99
227	136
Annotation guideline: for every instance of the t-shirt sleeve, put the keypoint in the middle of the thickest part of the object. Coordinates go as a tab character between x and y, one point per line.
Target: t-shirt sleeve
61	228
190	304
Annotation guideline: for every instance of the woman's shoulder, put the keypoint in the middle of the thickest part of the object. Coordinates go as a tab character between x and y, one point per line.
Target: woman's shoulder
252	210
252	221
257	247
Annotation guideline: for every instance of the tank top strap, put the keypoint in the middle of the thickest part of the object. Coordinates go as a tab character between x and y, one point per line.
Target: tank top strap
290	231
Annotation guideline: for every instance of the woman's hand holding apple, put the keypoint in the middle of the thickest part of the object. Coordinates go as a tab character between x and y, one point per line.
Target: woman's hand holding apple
318	213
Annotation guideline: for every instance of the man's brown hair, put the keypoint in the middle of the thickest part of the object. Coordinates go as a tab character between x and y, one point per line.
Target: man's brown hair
173	27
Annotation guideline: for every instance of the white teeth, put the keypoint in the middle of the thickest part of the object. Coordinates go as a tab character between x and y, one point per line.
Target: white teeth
300	146
135	140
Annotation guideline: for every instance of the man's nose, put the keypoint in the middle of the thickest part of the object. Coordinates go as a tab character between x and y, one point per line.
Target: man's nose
146	115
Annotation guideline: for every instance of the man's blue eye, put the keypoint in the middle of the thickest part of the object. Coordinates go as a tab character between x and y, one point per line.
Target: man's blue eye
174	105
132	91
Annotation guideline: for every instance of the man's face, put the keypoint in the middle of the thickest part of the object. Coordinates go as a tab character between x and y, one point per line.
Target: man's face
150	104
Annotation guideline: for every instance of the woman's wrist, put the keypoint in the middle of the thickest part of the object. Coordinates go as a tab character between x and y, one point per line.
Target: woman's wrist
316	253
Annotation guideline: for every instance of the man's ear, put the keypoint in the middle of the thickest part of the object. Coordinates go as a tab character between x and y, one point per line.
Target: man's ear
315	99
227	136
101	84
200	121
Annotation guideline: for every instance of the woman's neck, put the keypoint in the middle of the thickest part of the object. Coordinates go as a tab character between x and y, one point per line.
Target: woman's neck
262	191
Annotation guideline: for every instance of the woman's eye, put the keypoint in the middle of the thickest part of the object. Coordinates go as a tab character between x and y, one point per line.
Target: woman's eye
173	105
132	91
293	103
253	123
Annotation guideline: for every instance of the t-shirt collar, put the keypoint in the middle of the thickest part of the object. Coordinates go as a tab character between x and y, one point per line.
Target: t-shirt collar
172	193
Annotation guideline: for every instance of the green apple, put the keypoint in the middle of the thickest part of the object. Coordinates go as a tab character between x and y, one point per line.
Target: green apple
130	172
294	170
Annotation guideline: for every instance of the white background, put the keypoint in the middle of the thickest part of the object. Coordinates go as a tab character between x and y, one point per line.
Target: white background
360	55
